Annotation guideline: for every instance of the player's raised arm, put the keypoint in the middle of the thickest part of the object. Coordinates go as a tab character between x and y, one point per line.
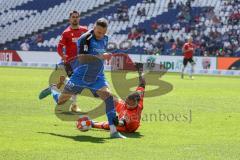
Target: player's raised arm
142	82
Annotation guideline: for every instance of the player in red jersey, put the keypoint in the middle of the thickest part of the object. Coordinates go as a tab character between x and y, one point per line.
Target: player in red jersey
68	41
188	50
129	111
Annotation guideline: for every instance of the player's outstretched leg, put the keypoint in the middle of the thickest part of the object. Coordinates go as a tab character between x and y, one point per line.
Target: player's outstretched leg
100	125
182	73
59	98
74	107
47	91
185	62
62	81
105	95
192	70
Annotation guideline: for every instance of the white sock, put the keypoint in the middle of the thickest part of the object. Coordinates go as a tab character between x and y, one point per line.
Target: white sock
113	129
74	99
54	87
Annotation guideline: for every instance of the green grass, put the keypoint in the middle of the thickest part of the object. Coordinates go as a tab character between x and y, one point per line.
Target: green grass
29	128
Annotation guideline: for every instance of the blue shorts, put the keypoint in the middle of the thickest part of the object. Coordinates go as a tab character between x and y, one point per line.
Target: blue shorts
76	88
74	64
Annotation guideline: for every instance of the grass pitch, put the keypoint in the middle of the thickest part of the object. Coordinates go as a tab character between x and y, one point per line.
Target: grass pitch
205	125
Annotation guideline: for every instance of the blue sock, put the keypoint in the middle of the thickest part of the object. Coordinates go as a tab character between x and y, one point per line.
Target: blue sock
55	95
110	110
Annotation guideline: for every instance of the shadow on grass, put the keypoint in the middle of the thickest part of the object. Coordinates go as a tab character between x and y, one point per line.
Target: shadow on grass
128	135
82	138
133	135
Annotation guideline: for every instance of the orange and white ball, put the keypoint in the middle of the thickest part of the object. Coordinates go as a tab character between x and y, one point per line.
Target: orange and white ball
84	123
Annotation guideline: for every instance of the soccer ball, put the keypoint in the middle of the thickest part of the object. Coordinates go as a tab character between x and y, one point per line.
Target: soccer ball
84	123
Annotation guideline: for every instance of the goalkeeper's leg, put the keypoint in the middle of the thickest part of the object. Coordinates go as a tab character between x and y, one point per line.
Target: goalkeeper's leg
100	125
105	126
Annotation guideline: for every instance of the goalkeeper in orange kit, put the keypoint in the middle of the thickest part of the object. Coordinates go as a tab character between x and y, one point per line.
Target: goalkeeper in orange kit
129	111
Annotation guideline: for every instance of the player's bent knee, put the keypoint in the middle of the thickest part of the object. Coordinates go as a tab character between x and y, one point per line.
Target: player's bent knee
63	98
60	102
105	94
